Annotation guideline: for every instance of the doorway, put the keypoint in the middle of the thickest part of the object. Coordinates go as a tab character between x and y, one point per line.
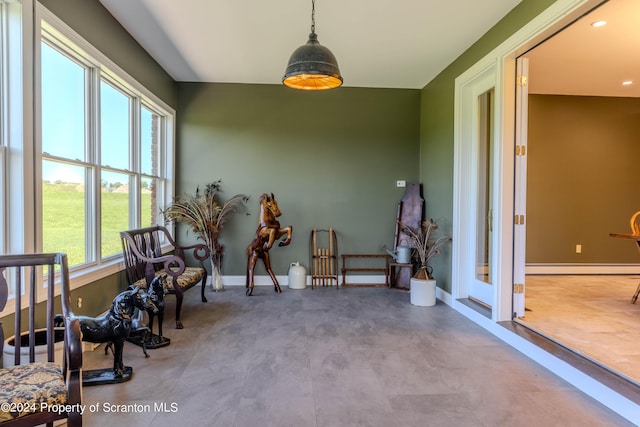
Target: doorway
500	64
581	186
477	192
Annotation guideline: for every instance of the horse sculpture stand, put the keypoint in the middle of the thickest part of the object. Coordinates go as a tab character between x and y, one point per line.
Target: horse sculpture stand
114	327
268	232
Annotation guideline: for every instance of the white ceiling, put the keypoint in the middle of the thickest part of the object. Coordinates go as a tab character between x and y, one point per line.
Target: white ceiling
583	60
378	43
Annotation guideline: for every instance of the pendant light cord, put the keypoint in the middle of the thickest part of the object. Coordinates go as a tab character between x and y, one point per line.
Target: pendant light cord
313	16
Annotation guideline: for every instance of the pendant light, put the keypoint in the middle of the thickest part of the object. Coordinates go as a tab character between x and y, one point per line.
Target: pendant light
312	66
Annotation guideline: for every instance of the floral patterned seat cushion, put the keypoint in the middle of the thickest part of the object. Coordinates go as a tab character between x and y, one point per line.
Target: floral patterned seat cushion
29	387
190	276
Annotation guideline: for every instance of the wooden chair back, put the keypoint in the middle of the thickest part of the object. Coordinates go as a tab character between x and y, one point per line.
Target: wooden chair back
34	326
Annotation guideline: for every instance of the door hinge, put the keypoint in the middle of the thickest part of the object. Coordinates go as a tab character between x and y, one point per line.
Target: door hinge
518	219
521	150
522	81
518	288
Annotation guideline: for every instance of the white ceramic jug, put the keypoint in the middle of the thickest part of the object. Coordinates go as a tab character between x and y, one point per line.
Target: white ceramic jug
297	276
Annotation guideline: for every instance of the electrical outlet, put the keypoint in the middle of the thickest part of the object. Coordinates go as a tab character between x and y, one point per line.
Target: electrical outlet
79	304
578	249
401	183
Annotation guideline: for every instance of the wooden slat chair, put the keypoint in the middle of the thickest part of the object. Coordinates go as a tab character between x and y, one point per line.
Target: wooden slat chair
32	388
143	257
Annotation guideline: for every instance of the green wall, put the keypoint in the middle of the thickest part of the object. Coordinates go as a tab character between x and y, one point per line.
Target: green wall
582	178
436	125
331	159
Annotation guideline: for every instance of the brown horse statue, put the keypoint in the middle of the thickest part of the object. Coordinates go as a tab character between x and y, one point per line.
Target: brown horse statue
268	232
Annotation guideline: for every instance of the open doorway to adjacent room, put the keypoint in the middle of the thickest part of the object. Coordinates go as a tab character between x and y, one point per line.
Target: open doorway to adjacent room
581	185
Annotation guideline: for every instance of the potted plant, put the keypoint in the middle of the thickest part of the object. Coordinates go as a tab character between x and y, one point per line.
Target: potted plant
426	245
206	216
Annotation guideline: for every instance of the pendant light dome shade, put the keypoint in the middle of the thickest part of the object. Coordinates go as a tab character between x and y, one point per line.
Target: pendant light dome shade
312	67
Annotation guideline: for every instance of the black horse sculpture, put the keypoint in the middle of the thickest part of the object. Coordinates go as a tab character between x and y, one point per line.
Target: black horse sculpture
156	295
142	334
116	325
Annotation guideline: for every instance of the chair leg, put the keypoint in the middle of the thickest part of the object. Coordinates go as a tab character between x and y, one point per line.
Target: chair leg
203	286
179	298
74	420
635	296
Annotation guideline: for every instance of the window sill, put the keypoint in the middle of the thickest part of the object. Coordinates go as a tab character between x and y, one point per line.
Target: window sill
84	276
88	275
77	279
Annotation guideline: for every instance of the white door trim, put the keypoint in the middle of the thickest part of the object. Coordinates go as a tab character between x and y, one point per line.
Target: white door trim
502	62
556	16
466	169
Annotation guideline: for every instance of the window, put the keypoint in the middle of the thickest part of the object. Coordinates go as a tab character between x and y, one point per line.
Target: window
115	158
15	125
3	110
65	169
106	147
10	101
85	152
153	187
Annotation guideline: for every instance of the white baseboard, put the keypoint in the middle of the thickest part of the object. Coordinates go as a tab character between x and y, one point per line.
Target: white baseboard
265	280
588	385
444	296
533	269
592	269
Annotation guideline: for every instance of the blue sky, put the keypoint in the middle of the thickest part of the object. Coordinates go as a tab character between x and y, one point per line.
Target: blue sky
63	121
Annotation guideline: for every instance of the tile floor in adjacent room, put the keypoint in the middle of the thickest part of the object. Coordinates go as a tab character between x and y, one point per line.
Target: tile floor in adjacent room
592	315
352	357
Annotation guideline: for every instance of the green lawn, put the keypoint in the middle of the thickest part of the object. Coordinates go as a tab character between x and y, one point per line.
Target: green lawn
64	222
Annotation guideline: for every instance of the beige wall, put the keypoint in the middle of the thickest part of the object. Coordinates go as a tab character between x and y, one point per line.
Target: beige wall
582	178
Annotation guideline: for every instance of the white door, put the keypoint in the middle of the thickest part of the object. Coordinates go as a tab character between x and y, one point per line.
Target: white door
481	284
520	198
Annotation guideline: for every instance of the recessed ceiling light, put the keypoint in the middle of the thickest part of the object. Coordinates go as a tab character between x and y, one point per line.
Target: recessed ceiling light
598	23
627	82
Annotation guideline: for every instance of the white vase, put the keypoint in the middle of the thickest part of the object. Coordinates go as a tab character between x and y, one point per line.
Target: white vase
216	277
216	281
423	292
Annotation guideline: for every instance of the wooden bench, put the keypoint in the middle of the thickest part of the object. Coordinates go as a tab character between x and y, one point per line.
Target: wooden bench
375	257
144	259
37	385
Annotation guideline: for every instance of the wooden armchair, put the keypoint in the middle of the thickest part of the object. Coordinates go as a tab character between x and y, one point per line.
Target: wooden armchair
35	392
143	257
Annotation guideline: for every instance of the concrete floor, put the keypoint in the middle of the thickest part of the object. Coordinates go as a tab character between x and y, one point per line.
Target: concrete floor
353	357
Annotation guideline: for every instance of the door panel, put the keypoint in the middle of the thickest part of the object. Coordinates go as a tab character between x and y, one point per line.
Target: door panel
520	202
482	282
